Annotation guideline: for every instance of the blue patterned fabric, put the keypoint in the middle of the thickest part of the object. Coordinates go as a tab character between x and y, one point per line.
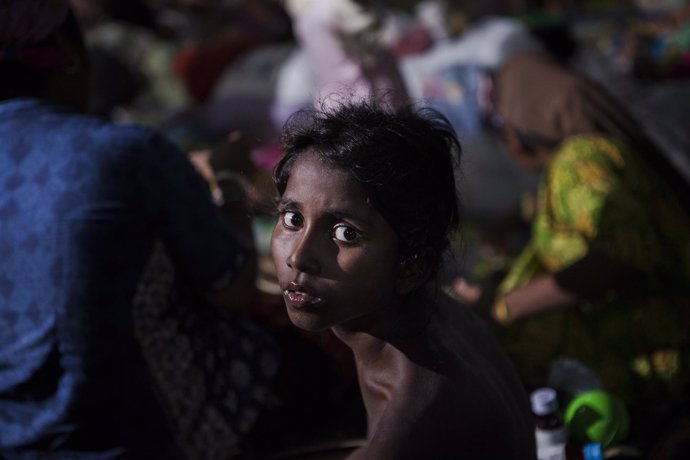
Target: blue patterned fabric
81	203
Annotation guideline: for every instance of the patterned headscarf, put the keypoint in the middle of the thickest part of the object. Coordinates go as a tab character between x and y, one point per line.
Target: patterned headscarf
26	28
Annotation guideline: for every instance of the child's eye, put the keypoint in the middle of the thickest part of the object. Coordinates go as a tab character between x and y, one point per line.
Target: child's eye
292	220
346	234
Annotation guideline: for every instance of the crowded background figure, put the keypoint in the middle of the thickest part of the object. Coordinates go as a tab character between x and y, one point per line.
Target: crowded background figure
605	276
96	220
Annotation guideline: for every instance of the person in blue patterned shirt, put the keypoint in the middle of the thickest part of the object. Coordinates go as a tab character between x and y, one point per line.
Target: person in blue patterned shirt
82	204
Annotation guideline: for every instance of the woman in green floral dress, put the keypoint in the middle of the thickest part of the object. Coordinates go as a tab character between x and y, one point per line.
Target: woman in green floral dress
605	277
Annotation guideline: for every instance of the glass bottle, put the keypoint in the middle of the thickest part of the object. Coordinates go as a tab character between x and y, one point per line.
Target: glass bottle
550	432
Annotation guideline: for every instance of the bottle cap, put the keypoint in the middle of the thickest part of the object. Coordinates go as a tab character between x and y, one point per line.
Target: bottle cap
592	451
544	401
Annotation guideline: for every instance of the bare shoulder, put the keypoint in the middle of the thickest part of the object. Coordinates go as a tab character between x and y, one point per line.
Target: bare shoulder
436	416
448	395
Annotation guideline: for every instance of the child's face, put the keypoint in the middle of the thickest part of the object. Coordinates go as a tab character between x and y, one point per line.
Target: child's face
335	255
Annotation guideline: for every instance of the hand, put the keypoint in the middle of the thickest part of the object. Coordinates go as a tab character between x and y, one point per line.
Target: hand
478	298
201	159
466	291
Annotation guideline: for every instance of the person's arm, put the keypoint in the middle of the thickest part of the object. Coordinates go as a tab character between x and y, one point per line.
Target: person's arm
541	295
229	191
594	276
210	243
599	237
233	206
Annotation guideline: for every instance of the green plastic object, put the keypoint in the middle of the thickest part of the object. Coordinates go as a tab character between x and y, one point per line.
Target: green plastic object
597	416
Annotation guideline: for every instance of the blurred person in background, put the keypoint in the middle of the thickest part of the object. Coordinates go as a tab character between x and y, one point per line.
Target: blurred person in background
605	278
85	350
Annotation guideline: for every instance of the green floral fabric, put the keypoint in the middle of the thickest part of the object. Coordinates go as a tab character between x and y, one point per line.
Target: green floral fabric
598	196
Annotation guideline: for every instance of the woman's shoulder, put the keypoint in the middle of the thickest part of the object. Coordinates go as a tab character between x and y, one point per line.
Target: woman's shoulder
120	141
591	148
61	127
94	129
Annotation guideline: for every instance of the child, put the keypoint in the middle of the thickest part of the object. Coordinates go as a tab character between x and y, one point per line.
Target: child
367	204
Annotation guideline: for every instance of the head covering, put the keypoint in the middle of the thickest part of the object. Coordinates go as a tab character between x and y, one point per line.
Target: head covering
539	97
26	27
545	100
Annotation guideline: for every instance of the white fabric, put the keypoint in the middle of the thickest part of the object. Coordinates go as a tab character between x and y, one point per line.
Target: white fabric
488	44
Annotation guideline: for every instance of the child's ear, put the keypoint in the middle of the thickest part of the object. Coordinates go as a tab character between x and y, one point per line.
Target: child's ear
413	272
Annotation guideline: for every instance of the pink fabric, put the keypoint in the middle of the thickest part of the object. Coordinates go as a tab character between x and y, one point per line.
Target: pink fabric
340	75
266	156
